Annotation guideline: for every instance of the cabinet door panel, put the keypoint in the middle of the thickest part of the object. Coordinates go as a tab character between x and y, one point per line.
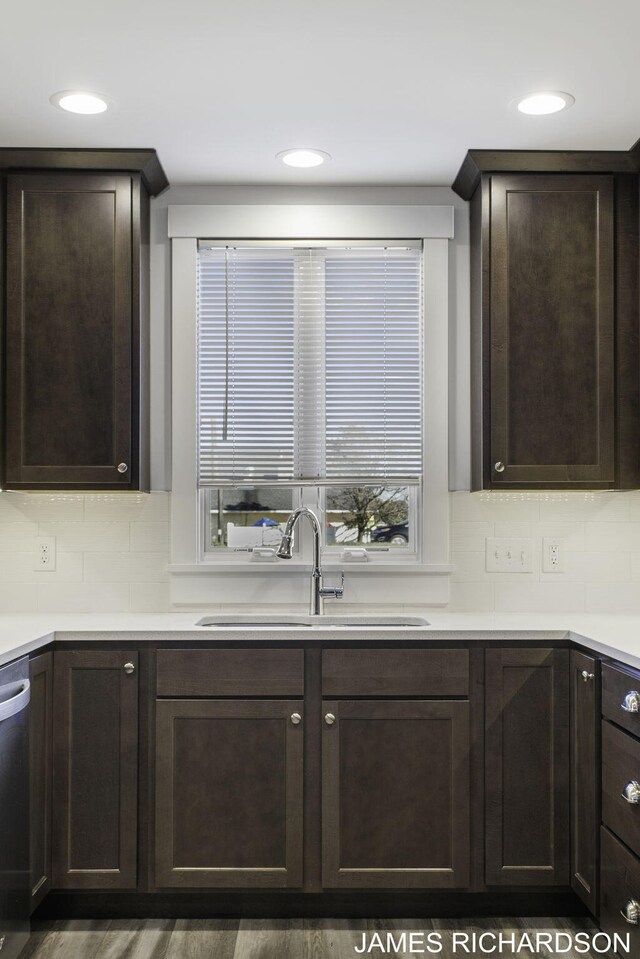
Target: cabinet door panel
396	794
69	330
585	764
40	773
527	767
229	793
552	330
95	770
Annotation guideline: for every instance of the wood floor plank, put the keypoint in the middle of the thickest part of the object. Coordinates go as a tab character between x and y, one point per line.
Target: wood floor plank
70	939
272	939
202	939
136	939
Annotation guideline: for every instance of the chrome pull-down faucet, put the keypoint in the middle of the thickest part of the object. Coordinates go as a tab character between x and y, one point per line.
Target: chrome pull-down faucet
318	591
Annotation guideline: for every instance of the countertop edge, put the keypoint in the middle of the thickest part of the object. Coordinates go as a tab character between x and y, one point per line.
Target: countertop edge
603	646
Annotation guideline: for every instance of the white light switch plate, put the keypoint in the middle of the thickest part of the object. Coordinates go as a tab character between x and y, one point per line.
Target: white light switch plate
507	555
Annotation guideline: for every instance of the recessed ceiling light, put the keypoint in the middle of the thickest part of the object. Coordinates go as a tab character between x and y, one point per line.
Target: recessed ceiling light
78	101
303	157
540	104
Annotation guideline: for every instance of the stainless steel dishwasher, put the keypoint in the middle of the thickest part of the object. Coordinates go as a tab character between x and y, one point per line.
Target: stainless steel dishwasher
14	808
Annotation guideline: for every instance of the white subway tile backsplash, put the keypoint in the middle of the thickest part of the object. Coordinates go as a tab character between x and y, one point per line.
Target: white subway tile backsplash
600	539
591	568
613	598
598	507
18	597
19	568
472	598
572	534
41	507
539	597
127	507
79	537
125	567
149	536
494	507
113	551
17	537
469	537
149	598
82	597
609	537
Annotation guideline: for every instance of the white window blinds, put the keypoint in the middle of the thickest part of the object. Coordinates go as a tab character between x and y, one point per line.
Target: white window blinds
309	364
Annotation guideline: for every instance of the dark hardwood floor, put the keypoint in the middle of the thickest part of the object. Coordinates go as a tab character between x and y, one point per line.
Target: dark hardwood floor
261	938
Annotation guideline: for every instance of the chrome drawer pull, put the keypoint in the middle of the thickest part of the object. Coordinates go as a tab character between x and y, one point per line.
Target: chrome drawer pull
296	719
631	702
631	793
631	912
586	675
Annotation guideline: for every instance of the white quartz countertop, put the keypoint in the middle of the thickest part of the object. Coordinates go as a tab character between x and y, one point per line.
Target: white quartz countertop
614	635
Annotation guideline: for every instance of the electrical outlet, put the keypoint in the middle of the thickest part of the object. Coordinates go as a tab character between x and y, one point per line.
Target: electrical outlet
552	555
45	554
506	555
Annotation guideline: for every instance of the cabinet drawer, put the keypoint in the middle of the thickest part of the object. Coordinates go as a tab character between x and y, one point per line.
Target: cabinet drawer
395	672
620	768
620	885
230	672
617	684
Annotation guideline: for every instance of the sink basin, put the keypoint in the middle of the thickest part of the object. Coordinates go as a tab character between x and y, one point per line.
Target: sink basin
248	621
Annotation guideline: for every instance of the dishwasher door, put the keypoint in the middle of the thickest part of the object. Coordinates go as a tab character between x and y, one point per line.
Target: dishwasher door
14	808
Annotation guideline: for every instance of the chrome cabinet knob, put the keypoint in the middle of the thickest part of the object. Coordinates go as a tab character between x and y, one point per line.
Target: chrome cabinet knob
129	668
586	676
631	793
631	912
631	702
499	467
329	719
296	719
122	467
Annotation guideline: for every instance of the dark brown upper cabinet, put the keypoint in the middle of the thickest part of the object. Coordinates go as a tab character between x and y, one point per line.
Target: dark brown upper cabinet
554	317
77	278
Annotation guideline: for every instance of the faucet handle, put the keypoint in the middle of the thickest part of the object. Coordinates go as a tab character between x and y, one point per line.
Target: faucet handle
335	592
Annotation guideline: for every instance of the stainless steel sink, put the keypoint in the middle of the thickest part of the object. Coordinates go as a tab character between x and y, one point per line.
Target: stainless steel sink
248	621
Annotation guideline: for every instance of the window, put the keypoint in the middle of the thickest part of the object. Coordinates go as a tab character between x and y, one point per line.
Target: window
309	390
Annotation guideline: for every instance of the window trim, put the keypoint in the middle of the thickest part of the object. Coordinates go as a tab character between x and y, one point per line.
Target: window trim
434	226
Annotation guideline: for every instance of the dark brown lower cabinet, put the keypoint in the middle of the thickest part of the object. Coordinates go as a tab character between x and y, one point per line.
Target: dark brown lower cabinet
527	767
229	780
585	780
620	891
40	772
95	774
396	792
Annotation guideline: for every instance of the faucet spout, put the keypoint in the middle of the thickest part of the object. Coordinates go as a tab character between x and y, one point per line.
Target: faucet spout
285	551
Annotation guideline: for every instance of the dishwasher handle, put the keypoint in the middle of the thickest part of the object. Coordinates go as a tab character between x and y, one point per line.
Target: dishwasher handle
19	698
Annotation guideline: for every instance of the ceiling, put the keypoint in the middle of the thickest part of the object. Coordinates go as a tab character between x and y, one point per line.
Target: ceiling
395	91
